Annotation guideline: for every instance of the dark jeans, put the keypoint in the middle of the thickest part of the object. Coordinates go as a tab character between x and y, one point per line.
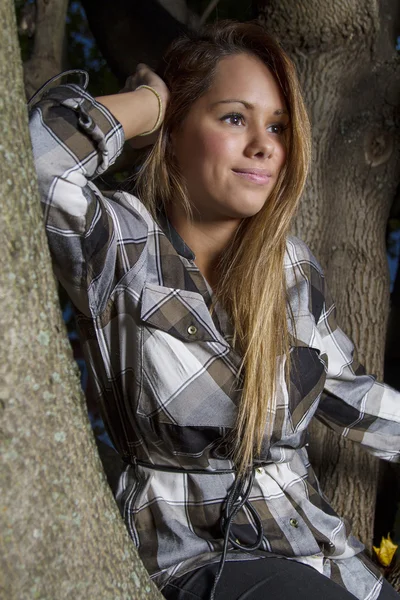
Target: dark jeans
266	579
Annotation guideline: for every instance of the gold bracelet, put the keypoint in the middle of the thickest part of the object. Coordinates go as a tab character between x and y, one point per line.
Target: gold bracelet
160	106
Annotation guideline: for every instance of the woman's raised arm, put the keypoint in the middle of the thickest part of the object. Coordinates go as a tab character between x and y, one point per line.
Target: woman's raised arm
75	139
138	110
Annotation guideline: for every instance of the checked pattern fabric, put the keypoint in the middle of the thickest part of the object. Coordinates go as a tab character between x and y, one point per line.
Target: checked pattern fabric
167	376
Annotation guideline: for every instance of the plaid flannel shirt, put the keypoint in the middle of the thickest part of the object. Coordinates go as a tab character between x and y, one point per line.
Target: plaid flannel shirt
167	376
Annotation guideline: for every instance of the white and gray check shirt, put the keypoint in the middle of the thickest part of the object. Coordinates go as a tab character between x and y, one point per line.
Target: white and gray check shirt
167	376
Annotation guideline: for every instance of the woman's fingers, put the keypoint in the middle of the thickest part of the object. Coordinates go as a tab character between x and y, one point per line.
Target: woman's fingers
146	76
142	76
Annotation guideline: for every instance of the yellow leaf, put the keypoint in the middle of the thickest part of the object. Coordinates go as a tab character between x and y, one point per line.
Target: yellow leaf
386	551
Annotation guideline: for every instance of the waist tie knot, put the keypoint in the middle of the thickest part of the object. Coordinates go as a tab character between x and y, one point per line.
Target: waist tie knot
236	499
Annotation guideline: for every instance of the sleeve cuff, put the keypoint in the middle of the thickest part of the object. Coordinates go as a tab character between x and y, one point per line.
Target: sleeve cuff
94	120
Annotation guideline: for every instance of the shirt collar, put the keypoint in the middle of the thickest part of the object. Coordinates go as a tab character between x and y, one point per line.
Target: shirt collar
178	243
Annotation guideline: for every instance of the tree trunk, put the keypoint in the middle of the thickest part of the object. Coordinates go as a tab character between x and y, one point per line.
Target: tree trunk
46	60
62	535
346	59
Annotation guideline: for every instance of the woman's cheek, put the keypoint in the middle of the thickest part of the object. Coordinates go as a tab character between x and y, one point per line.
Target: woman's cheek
220	146
283	156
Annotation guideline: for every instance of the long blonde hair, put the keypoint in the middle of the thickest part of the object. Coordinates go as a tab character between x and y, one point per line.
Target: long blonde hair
252	282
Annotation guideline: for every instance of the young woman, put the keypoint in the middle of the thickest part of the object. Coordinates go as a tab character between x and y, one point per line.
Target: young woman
209	332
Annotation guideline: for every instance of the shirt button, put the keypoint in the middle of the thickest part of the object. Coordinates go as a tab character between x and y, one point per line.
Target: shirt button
192	330
260	470
294	523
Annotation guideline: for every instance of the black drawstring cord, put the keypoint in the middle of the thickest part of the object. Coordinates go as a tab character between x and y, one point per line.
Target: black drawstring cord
237	498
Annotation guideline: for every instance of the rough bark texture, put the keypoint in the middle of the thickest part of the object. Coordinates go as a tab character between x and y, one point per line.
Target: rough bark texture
345	55
62	535
46	59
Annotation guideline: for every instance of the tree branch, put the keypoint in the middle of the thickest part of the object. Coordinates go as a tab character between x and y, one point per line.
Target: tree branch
213	4
46	59
131	32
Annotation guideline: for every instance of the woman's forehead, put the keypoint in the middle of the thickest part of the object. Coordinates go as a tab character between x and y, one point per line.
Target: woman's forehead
245	78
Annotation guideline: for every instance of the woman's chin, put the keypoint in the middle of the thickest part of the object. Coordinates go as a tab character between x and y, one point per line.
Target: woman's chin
244	211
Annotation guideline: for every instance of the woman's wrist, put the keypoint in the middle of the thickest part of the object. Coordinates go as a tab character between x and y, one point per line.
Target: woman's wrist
160	110
137	111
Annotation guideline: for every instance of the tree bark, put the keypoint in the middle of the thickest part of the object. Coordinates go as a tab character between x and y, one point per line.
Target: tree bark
46	60
62	535
345	55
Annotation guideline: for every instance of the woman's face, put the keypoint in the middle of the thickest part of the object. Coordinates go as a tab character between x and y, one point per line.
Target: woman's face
231	146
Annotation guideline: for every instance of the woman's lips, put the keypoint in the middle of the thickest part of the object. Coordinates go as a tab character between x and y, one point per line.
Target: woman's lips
256	176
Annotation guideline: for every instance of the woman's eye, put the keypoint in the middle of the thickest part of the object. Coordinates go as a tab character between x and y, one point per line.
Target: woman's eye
277	128
233	119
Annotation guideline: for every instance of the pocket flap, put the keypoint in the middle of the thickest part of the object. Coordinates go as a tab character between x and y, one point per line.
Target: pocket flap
180	313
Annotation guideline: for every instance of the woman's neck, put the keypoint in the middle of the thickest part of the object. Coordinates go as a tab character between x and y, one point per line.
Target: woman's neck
207	240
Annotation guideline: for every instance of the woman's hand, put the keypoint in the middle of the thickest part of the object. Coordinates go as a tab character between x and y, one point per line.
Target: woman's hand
138	110
145	76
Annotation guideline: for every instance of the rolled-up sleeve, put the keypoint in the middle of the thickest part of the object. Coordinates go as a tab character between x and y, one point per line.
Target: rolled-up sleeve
75	139
353	403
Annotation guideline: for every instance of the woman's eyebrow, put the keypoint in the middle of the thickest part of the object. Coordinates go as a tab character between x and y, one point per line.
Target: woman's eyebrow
233	100
279	111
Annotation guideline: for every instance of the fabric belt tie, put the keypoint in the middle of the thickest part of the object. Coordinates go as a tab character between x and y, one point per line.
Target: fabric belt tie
236	499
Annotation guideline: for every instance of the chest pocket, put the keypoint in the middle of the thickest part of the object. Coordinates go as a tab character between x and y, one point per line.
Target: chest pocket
185	369
180	313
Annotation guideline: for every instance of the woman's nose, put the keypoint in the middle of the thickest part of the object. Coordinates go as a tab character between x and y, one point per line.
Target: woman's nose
260	145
